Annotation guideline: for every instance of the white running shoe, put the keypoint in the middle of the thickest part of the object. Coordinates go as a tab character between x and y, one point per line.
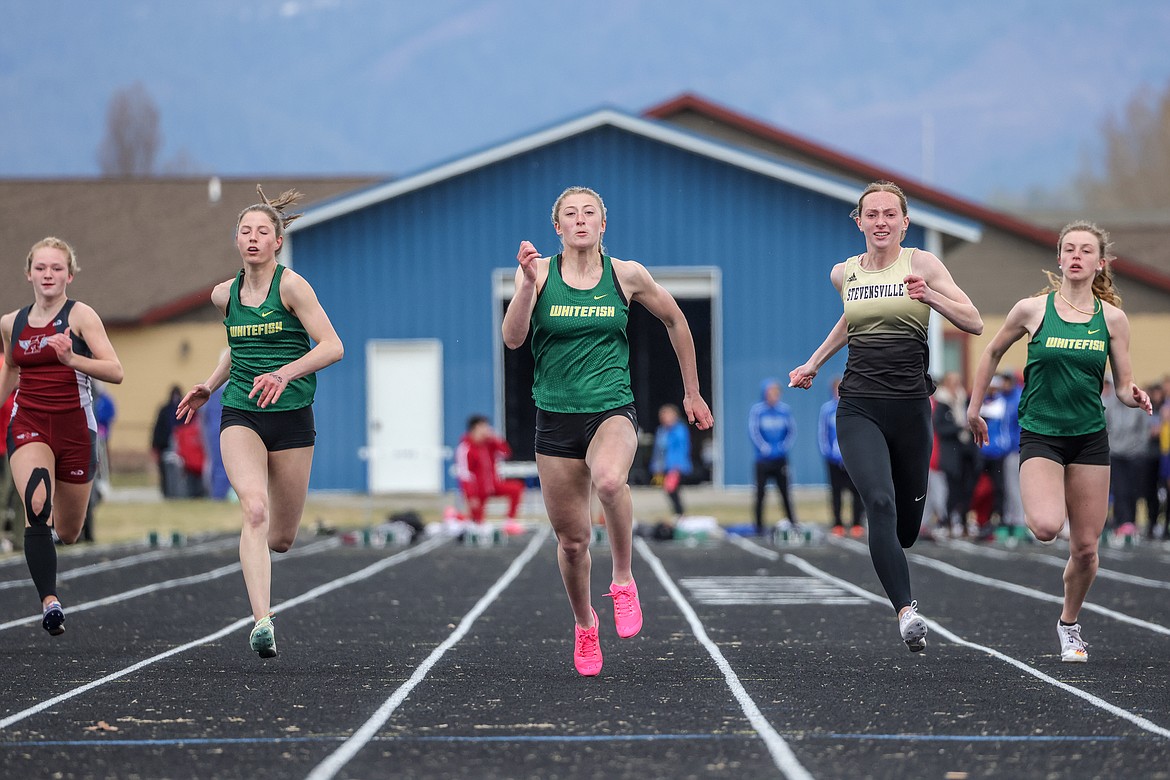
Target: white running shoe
913	628
1072	647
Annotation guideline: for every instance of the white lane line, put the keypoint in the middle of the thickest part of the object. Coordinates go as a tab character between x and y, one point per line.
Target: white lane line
950	636
975	549
309	595
1019	590
336	760
130	560
752	547
1107	574
154	587
782	754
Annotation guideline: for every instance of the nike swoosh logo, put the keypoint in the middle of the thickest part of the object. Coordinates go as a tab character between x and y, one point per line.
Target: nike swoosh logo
1098	330
599	297
265	314
920	498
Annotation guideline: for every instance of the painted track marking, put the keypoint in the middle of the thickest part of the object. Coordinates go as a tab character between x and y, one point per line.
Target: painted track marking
193	579
935	626
782	754
1011	587
309	595
336	760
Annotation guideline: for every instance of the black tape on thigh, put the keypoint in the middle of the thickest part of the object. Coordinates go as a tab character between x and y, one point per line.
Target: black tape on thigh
41	518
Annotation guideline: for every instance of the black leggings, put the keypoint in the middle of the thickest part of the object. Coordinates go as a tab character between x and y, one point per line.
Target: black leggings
886	445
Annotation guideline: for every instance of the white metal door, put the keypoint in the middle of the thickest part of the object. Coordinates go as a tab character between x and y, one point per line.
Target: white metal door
404	416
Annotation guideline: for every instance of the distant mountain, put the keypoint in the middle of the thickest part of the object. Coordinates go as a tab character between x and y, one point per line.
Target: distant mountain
973	99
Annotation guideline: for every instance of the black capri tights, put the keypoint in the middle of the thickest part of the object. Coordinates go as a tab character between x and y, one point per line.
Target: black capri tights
886	443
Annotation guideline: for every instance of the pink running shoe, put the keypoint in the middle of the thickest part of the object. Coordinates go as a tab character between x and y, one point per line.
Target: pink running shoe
627	610
587	650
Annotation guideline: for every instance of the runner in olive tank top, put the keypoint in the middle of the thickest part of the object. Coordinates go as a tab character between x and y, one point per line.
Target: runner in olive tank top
883	417
575	307
273	318
1064	448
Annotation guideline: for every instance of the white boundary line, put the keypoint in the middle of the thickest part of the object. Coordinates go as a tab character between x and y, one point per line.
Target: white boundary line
1100	703
1107	574
154	587
130	560
308	595
782	754
753	548
336	760
1019	590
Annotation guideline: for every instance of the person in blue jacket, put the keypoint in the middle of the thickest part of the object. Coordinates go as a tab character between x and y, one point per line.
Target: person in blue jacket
839	480
772	430
672	454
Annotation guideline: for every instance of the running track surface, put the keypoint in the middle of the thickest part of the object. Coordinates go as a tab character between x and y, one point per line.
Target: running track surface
443	660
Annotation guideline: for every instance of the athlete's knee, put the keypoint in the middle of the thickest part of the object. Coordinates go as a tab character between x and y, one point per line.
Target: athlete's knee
38	502
255	511
1083	555
609	486
574	546
1045	527
281	542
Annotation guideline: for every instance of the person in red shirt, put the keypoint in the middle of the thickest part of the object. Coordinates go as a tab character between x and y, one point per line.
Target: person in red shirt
475	463
53	348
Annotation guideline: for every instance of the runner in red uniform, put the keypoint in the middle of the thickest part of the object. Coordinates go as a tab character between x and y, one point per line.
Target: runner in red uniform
51	350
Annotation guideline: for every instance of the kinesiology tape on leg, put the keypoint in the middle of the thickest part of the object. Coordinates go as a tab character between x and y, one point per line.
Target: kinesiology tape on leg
41	518
41	555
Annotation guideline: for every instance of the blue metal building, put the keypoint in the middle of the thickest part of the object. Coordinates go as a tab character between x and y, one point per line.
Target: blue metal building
415	274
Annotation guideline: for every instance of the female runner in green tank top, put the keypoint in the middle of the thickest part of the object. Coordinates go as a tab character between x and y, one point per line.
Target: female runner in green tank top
1074	324
266	430
575	305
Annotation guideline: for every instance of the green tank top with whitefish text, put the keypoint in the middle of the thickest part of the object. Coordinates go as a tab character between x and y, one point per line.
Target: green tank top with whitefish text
1064	375
888	354
579	344
262	339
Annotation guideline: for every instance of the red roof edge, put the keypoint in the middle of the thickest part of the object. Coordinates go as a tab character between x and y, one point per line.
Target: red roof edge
172	309
1048	238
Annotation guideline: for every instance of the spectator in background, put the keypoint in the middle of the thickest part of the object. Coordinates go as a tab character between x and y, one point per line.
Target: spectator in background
672	455
160	439
1152	483
215	478
1129	433
772	431
839	481
188	438
476	458
104	412
958	455
999	443
934	516
1164	452
1013	503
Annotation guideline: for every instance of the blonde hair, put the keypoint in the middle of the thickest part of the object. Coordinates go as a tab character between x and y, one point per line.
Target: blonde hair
53	242
881	186
274	210
580	191
1103	286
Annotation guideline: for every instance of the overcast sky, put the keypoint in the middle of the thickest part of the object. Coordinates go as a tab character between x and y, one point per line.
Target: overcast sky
977	98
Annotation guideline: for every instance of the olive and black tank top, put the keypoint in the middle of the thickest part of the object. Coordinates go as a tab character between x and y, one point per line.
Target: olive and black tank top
1064	374
262	339
888	354
579	344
